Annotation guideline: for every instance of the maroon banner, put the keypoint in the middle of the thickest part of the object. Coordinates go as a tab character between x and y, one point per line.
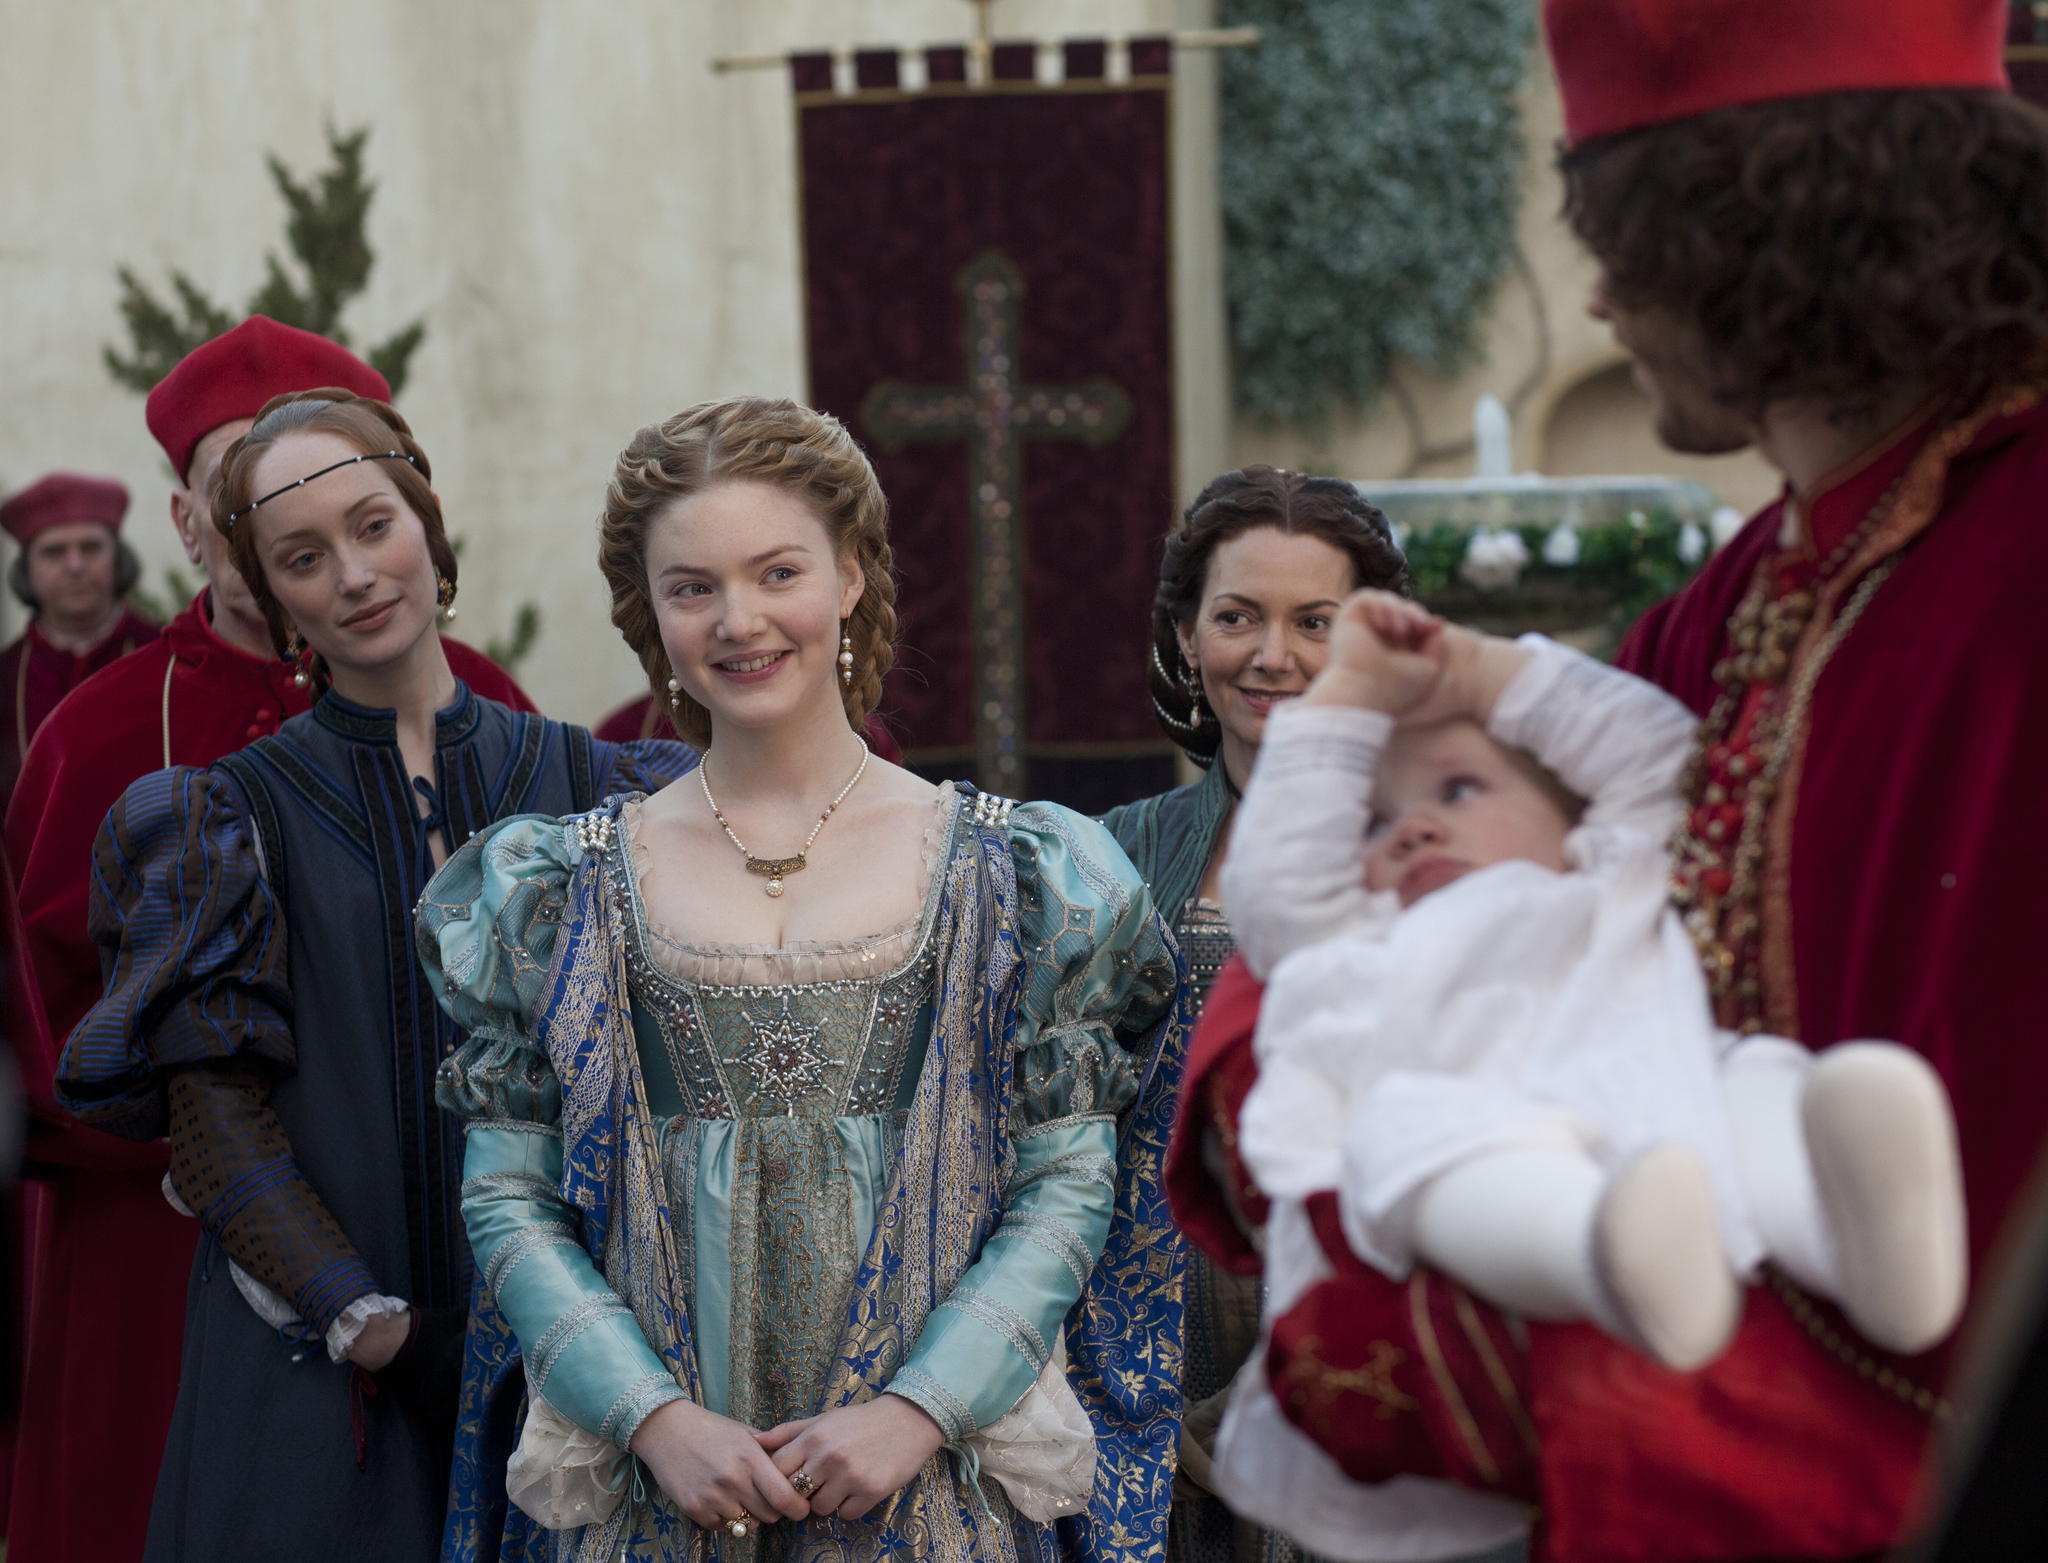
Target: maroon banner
987	300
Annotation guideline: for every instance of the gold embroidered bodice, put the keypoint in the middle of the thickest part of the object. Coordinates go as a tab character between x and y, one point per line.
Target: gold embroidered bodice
810	1030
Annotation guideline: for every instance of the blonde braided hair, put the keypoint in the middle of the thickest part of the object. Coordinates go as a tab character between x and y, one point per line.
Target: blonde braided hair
752	439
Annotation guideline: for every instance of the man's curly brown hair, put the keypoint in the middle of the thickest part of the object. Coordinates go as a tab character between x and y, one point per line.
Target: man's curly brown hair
1834	247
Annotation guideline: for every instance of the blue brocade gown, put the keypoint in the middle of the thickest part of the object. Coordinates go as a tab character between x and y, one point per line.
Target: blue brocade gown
791	1096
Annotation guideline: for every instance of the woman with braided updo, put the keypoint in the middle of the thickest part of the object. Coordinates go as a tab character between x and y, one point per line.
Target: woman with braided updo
1250	584
798	1093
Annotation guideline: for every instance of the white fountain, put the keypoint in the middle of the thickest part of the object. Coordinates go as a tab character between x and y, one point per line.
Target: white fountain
1574	557
1493	440
1497	496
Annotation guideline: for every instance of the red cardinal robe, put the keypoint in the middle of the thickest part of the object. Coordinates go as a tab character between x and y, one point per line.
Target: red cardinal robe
1907	881
35	675
106	1313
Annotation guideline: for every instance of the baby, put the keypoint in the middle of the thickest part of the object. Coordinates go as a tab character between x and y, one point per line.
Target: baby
1485	1028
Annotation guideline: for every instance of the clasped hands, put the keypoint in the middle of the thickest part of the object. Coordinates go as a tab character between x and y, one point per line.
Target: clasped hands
1394	656
716	1470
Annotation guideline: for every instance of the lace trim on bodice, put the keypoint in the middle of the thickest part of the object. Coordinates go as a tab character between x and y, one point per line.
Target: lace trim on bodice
805	961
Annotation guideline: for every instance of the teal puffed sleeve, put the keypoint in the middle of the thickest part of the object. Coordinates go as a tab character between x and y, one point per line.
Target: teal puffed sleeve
486	931
1099	974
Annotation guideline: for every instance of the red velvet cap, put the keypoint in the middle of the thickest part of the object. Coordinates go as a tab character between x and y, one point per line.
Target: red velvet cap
238	371
1623	64
61	497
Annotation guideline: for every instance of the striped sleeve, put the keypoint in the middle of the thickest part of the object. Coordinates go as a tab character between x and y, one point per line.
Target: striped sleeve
644	765
1100	973
193	949
233	1166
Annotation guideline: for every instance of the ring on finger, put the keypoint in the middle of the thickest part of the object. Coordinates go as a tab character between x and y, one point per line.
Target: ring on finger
741	1526
804	1483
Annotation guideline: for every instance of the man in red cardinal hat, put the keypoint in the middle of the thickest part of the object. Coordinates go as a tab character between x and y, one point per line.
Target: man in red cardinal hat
111	1259
73	572
1822	229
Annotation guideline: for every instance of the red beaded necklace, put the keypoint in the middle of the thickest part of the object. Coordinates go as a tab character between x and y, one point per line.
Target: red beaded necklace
1739	759
1747	751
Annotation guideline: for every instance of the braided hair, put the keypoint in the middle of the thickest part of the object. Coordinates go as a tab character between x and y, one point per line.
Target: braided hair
366	424
755	439
1233	504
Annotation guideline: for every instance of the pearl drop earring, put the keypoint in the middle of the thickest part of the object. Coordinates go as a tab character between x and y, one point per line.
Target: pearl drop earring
846	660
674	694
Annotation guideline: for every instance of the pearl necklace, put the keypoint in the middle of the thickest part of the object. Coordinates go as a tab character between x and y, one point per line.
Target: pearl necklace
776	867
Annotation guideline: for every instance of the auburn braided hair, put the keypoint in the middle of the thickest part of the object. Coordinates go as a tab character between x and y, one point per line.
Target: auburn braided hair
366	424
753	439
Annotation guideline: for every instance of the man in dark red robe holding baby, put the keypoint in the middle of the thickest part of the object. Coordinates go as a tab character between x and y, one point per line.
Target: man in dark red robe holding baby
1822	227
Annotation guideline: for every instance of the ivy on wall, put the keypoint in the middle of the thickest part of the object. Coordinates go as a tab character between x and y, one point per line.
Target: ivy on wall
1370	164
1590	583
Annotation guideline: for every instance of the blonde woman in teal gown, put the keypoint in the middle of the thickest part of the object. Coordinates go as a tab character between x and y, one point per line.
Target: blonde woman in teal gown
814	1112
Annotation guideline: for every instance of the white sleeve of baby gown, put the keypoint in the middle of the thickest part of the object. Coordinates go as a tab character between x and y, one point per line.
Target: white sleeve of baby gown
1616	740
1295	872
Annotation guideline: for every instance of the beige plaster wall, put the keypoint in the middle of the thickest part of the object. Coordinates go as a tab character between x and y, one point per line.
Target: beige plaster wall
597	230
1538	347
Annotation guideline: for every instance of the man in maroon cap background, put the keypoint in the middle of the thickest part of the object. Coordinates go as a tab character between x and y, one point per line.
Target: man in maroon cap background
1822	228
111	1259
72	573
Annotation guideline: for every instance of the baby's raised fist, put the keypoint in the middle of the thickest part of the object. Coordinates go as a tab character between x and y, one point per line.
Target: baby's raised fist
1394	622
1386	654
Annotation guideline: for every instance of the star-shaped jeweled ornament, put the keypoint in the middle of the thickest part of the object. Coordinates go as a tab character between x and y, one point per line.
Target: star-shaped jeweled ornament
786	1060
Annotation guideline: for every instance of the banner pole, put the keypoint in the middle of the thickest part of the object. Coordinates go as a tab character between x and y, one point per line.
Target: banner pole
980	47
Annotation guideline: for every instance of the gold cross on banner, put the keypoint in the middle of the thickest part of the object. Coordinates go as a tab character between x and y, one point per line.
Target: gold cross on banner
995	411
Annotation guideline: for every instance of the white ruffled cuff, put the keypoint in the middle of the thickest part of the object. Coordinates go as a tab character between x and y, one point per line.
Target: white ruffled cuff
349	1323
274	1311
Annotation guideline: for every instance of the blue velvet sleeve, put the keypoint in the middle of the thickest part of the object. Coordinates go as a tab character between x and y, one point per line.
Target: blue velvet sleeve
641	765
193	949
1098	975
195	1026
486	933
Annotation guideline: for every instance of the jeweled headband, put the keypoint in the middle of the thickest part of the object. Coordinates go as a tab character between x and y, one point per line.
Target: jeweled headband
377	455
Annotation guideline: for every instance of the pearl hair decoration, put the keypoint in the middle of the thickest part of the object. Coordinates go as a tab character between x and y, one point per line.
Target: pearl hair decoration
375	455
